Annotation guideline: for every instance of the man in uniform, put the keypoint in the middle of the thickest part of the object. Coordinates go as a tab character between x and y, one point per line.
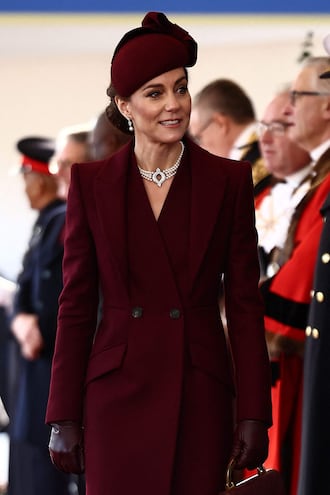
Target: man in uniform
33	325
313	474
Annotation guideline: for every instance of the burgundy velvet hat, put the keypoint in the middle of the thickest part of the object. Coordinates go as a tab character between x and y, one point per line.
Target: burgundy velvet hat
145	52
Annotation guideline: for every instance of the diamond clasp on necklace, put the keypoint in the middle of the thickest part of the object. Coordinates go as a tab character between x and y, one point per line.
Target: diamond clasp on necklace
158	177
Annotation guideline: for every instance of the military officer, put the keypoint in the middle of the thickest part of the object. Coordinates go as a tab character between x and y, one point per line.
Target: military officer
313	474
33	325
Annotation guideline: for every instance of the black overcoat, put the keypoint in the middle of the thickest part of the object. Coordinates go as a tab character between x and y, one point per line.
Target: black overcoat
39	285
314	465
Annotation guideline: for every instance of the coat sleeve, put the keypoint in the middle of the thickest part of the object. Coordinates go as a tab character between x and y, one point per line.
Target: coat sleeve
244	308
77	311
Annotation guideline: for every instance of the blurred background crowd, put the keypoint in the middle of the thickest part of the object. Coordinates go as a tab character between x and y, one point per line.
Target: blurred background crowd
56	69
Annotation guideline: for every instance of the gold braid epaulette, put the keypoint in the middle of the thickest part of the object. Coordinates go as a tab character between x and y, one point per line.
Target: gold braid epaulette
259	171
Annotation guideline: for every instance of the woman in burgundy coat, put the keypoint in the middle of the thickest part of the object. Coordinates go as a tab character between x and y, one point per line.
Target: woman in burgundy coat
149	384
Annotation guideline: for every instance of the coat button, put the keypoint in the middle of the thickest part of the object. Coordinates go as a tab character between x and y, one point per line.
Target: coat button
315	333
137	312
325	258
175	314
319	296
308	331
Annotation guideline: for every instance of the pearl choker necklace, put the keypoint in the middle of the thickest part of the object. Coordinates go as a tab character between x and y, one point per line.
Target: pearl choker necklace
160	176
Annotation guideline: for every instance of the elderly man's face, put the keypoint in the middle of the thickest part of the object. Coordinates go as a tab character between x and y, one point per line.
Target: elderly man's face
282	156
309	109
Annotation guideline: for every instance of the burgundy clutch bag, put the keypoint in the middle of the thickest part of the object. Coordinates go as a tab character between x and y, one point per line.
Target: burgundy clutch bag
265	482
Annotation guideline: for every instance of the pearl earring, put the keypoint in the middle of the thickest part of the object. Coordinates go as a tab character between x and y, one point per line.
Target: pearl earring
130	125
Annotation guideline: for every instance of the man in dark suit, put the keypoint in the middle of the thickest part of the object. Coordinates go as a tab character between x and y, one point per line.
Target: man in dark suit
33	325
223	122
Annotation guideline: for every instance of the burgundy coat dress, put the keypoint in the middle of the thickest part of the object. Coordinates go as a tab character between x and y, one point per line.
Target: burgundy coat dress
153	385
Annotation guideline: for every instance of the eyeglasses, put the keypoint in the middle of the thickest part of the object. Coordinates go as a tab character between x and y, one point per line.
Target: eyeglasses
198	135
276	128
295	94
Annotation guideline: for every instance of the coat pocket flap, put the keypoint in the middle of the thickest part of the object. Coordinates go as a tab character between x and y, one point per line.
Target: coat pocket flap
212	362
105	361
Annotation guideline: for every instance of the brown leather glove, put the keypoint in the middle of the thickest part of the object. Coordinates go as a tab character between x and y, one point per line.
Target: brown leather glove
66	447
250	448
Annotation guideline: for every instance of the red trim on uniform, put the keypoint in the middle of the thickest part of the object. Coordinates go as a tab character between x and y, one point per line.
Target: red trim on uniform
261	196
31	165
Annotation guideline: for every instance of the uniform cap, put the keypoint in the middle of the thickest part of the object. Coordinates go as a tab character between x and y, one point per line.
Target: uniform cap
36	154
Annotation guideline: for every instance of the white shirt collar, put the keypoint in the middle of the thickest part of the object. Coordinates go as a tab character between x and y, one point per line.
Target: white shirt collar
296	178
242	140
317	152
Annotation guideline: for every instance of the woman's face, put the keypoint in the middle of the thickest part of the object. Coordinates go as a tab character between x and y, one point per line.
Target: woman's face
160	109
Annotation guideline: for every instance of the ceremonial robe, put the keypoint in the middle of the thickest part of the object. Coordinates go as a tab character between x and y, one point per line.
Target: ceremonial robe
287	298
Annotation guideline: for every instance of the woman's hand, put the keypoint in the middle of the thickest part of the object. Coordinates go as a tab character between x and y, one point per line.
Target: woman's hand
250	447
66	447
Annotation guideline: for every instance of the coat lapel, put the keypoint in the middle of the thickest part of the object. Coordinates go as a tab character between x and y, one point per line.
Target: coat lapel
110	191
206	198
